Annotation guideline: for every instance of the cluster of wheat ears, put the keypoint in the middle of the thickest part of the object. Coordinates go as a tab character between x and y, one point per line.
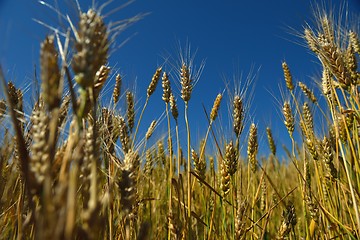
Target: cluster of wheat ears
77	170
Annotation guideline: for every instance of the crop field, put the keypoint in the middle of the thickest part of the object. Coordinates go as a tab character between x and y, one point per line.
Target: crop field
74	167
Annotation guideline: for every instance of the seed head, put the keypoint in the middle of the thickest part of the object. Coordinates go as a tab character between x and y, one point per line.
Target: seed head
263	196
123	134
238	115
117	89
327	28
308	119
215	108
173	106
289	118
16	96
64	108
128	181
161	153
2	107
310	94
271	141
328	158
252	147
311	145
225	179
354	40
166	88
289	221
92	47
150	130
231	158
130	112
326	82
50	73
288	77
154	81
40	162
186	85
89	163
240	219
100	79
332	58
311	40
199	164
149	162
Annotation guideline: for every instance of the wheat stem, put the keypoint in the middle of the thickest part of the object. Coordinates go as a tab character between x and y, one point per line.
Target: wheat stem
170	164
188	169
139	120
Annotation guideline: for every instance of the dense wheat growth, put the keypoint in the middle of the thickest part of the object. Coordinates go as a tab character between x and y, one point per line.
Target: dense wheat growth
82	169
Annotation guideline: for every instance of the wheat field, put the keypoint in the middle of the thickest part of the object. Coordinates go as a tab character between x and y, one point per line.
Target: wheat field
81	169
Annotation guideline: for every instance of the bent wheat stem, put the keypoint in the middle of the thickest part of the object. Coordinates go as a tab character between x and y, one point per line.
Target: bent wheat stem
139	120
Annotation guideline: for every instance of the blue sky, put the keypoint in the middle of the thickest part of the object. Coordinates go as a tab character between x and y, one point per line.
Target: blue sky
234	37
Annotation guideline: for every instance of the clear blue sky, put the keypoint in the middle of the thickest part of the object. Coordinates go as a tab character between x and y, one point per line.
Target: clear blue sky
233	36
